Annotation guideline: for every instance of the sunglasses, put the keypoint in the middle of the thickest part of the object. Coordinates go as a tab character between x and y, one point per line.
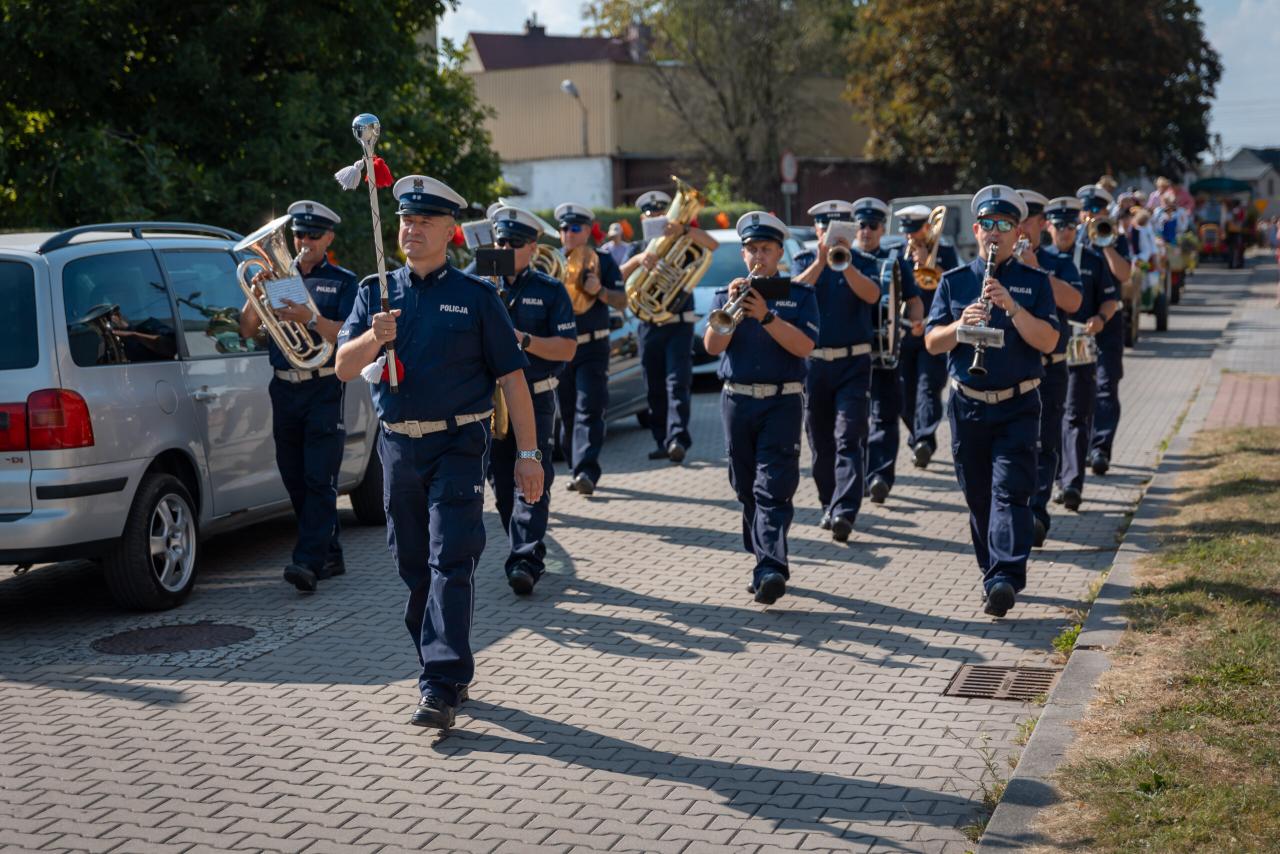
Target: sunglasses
511	242
1003	226
1094	208
867	225
308	235
572	227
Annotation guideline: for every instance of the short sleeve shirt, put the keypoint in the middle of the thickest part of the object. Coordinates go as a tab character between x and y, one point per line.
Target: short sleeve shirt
753	356
333	290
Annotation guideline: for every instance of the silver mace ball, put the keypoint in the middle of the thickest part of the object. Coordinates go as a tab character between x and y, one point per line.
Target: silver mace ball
366	128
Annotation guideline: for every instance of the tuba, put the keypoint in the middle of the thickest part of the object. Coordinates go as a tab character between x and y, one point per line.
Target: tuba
580	264
927	274
652	295
549	260
269	249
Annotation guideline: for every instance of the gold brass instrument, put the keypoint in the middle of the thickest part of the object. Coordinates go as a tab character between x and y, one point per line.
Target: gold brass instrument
927	274
1082	349
1102	231
579	265
270	250
726	318
549	260
652	295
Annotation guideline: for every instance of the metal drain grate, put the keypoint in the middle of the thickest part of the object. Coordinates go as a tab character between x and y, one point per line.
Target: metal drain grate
166	639
1001	683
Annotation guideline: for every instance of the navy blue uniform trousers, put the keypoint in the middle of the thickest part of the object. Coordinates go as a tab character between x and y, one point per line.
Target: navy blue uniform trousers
994	446
306	420
1077	425
836	423
1106	417
666	354
433	491
886	409
1053	398
923	376
583	395
764	469
525	523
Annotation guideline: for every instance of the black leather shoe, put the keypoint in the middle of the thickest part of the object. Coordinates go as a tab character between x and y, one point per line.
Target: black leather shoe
1040	535
521	580
571	485
1071	499
332	567
300	577
825	524
922	454
675	452
660	454
999	599
584	484
1059	495
772	585
841	528
1099	463
433	712
879	490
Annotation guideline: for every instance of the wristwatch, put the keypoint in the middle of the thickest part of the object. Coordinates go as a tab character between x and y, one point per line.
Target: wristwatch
768	317
311	324
535	455
526	341
1013	312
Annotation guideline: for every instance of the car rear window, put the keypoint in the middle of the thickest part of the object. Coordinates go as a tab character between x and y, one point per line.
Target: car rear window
19	337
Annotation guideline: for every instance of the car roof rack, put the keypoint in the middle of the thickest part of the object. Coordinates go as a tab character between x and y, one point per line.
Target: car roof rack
64	238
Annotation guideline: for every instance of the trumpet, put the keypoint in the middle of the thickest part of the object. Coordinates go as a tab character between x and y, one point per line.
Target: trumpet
839	257
726	319
1102	231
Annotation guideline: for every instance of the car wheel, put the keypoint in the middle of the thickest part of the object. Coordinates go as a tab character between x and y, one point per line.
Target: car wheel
366	499
153	566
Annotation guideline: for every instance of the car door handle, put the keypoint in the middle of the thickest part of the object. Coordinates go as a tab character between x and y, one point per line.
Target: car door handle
204	395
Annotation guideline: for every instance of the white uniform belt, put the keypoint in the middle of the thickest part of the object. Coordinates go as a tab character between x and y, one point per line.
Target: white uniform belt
1054	358
593	336
683	317
302	376
760	390
830	354
418	429
998	395
548	384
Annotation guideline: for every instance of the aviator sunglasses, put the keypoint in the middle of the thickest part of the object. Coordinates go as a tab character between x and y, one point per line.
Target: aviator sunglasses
511	242
572	227
308	235
1001	225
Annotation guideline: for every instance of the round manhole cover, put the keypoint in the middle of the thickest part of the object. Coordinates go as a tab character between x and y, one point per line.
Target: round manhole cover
165	639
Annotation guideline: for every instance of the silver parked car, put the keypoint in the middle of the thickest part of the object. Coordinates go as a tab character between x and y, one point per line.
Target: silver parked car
134	419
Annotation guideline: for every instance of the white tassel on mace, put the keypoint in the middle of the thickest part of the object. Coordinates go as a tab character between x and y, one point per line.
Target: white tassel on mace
349	176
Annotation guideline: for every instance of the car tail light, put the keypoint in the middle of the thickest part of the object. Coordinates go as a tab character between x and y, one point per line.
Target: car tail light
58	419
13	426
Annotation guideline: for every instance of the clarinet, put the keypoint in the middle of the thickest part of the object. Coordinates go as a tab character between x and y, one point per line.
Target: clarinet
979	366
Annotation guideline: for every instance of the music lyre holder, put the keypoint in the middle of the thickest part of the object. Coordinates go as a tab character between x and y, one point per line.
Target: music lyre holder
980	336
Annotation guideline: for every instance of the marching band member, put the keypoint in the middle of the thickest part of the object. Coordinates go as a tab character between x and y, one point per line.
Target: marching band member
839	376
456	340
666	349
763	371
306	406
1100	302
995	416
542	314
584	385
869	216
923	374
1064	279
1106	417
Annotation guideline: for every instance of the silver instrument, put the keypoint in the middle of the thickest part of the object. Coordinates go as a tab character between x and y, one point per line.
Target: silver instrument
726	318
1102	231
269	247
982	336
839	258
1082	348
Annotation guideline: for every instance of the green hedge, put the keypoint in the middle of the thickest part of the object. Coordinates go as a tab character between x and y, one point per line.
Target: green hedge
706	217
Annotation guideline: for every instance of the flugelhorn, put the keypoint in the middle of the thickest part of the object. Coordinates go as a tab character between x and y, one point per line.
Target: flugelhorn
269	249
726	318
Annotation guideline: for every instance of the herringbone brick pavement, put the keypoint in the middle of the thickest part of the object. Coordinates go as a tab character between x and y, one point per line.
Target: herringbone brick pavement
639	701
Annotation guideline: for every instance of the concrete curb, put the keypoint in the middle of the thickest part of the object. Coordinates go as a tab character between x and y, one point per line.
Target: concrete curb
1031	788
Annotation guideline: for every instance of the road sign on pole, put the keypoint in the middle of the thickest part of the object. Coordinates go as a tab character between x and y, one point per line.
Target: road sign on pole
788	167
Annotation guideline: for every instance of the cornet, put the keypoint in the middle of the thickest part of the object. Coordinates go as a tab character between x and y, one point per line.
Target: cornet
726	319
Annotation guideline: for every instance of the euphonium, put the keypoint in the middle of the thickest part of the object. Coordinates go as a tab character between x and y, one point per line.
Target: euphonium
927	274
580	264
1102	231
726	318
652	295
549	260
269	248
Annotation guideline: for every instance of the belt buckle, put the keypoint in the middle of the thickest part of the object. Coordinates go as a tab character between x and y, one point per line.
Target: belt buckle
414	428
759	391
991	397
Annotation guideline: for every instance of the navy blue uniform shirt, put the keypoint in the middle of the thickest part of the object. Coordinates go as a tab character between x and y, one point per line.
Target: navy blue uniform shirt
1112	335
453	335
753	356
1097	284
844	319
539	304
333	290
597	317
1016	360
1061	265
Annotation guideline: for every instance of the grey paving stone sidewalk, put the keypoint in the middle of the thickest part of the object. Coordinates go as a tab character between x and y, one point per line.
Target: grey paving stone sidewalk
638	702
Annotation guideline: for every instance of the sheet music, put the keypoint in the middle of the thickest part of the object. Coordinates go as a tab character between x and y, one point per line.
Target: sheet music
653	227
291	288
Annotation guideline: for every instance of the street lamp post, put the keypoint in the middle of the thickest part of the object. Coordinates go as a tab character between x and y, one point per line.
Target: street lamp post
567	87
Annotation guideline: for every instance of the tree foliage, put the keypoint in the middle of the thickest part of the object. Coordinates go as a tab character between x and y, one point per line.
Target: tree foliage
1045	94
224	112
731	71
